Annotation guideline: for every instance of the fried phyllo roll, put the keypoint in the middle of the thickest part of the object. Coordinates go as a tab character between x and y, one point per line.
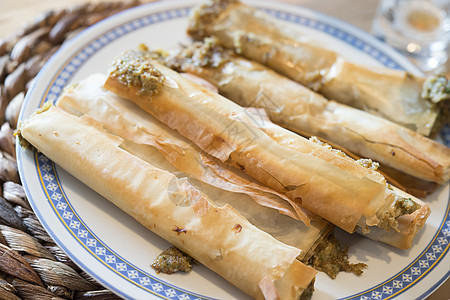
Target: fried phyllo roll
412	101
145	137
124	119
177	154
128	121
218	237
299	109
322	180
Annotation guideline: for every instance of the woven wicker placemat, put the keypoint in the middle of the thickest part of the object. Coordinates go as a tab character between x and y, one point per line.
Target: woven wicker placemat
32	266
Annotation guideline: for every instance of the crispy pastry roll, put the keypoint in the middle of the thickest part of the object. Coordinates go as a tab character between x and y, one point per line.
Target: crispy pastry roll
124	119
399	96
128	121
146	134
299	109
218	237
408	226
323	181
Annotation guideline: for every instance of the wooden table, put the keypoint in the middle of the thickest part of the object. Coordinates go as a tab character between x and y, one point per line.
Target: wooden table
360	13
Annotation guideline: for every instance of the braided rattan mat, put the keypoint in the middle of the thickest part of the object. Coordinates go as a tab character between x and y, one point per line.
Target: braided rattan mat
32	266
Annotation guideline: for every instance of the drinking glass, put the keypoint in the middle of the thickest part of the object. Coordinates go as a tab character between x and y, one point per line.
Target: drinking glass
420	29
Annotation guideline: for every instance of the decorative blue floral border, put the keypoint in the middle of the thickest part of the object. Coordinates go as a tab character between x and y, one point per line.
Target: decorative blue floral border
397	284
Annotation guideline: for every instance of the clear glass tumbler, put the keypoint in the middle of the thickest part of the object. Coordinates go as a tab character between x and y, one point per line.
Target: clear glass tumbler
420	29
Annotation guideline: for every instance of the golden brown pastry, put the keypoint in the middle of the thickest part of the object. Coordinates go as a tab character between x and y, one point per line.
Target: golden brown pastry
128	121
299	109
218	237
322	180
412	101
163	147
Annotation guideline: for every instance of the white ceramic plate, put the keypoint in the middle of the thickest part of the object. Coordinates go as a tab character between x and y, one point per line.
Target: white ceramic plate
117	250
